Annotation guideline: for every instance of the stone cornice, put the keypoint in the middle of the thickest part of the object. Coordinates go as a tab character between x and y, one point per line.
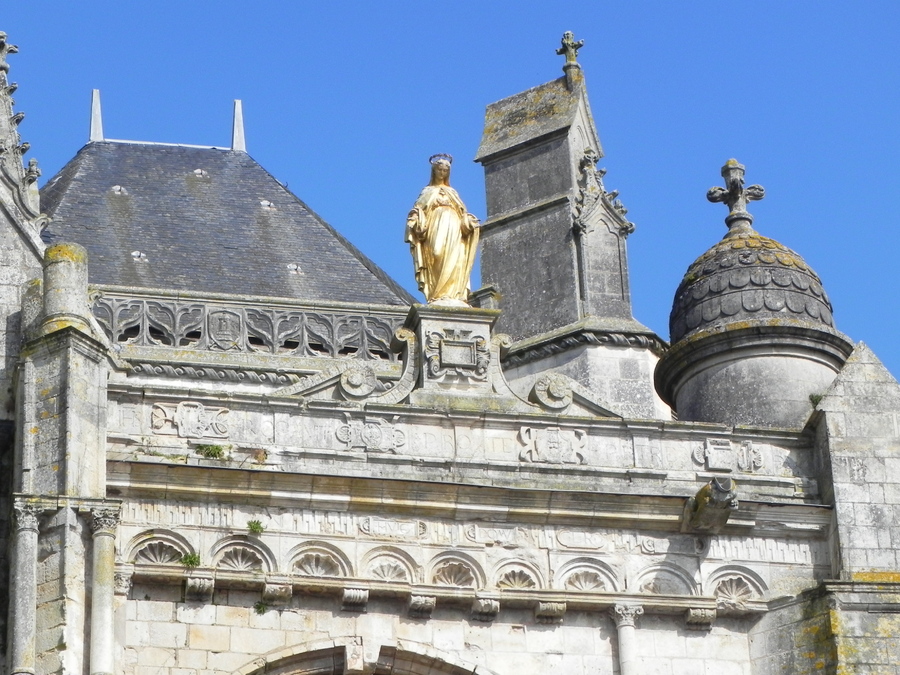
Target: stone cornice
454	501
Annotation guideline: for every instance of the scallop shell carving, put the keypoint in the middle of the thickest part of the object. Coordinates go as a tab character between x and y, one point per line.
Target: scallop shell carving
158	553
733	593
317	565
516	579
454	574
241	559
389	570
585	580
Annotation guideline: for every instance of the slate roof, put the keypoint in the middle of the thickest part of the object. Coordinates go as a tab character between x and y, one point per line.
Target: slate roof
207	219
537	112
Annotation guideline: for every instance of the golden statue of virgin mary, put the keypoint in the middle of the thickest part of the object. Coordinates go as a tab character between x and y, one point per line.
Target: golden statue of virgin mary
443	238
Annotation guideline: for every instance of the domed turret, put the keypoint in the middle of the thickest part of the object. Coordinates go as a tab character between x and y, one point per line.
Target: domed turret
751	327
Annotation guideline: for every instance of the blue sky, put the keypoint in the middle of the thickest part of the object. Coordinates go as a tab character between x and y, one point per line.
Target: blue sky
346	101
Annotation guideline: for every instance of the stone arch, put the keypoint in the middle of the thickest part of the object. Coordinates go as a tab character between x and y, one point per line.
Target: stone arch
158	546
377	564
319	558
587	574
664	579
332	657
238	549
449	565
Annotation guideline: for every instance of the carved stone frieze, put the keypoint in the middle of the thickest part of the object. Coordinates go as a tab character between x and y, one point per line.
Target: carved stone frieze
372	434
216	374
507	537
209	326
189	419
456	353
385	528
719	454
552	445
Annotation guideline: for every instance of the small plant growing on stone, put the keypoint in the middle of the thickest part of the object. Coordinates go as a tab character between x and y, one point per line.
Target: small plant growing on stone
210	451
815	399
260	607
256	527
190	560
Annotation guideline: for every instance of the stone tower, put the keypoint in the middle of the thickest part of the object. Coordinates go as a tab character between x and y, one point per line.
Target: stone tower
553	245
752	333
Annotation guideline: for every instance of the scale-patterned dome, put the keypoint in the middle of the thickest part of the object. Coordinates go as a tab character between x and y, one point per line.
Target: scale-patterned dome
747	277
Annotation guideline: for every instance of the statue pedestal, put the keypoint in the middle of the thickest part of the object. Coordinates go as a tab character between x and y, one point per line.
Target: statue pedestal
455	352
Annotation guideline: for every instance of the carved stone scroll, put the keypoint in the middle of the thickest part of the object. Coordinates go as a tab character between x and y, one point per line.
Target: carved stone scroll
189	419
552	445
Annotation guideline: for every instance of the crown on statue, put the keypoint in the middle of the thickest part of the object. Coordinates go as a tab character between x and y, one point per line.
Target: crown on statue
441	157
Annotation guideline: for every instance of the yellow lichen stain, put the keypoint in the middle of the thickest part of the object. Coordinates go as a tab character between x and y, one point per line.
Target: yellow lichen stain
56	467
34	430
69	252
45	392
877	577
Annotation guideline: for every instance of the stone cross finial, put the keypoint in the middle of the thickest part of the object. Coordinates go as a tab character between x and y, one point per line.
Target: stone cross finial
734	194
570	47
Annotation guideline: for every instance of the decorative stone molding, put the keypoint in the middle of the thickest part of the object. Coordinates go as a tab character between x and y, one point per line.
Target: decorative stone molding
585	580
733	592
189	419
123	583
162	321
317	564
373	434
552	445
199	587
26	515
626	615
593	201
699	619
553	391
453	573
456	352
277	594
549	612
485	609
216	374
516	579
421	606
355	600
238	558
389	570
104	520
522	356
158	553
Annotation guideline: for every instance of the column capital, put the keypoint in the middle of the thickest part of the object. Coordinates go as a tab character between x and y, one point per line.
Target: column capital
26	515
626	615
104	520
